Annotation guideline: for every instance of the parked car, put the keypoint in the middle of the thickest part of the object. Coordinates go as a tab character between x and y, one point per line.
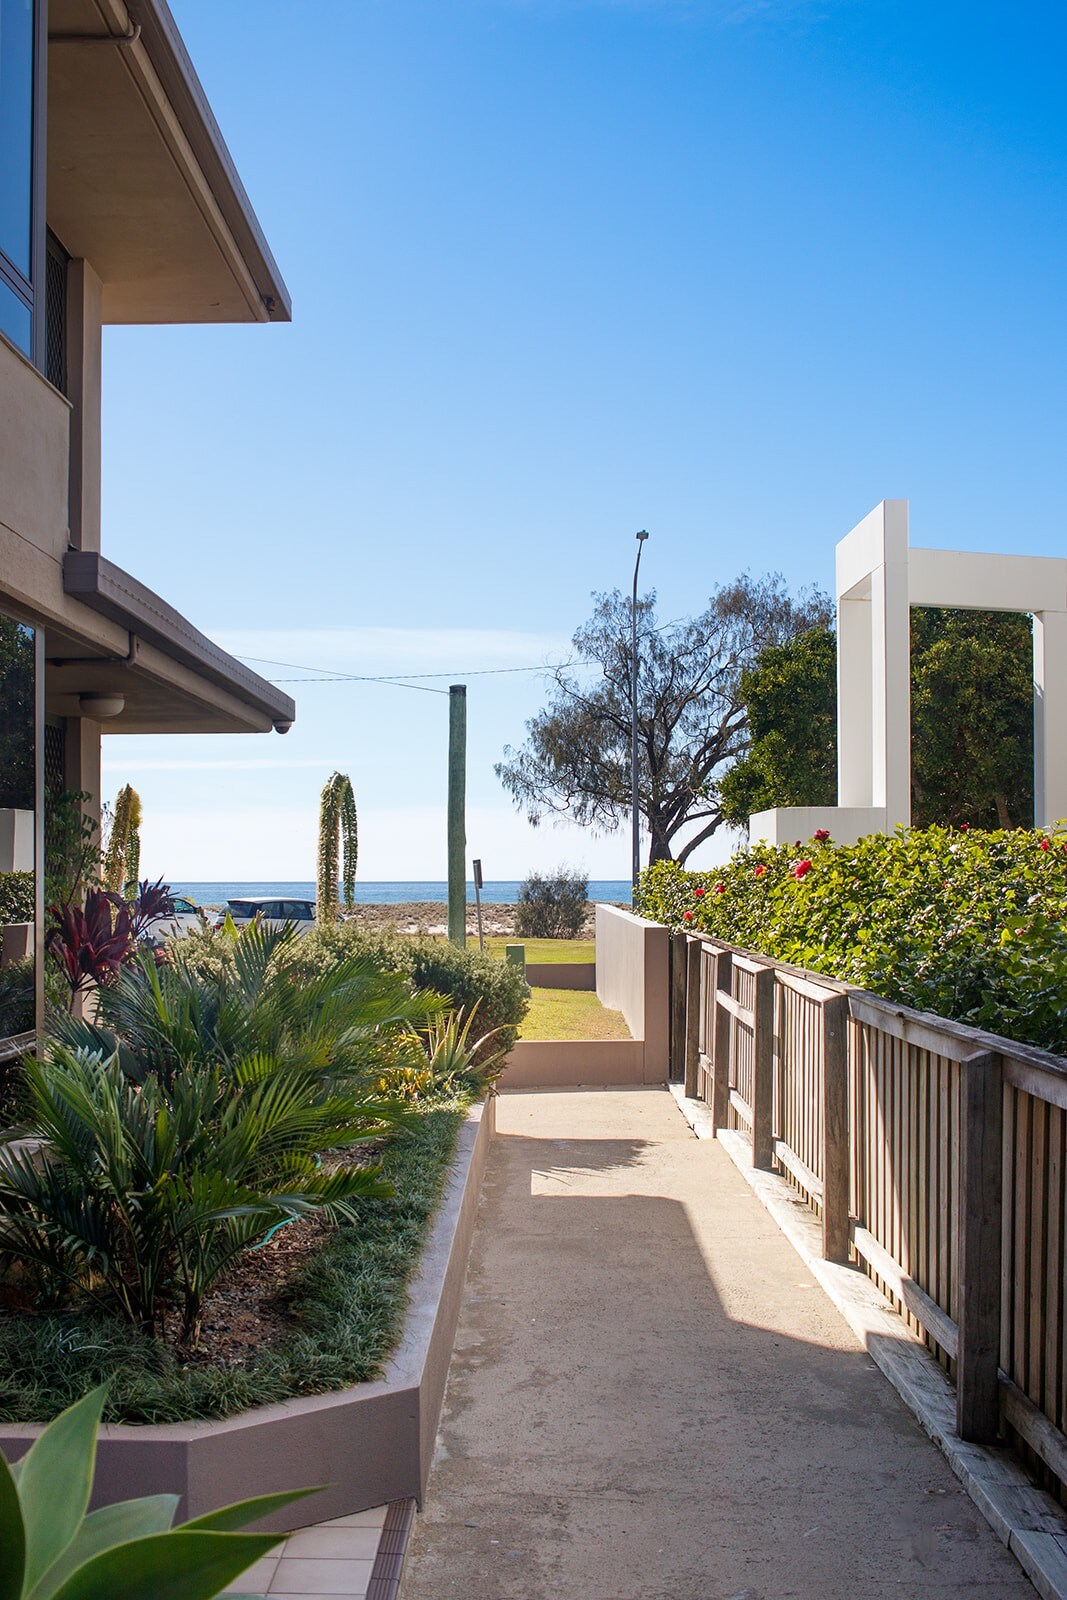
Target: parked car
273	913
184	917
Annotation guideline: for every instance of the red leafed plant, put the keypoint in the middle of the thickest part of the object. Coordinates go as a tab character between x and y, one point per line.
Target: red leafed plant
91	942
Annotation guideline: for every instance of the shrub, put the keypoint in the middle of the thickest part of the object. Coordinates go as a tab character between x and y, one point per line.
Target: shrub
464	977
191	1117
552	905
140	1196
16	897
469	978
344	1311
966	923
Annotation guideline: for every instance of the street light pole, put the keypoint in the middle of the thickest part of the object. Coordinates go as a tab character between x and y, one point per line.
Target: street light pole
635	814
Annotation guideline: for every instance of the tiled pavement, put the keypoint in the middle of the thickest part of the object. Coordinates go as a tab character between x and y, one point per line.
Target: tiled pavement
351	1558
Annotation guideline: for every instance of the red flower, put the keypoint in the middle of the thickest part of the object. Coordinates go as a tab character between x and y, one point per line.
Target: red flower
821	835
964	827
1046	844
760	870
801	870
798	844
699	893
687	916
720	888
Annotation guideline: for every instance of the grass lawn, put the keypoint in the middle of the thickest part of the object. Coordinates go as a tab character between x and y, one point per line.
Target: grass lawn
548	949
570	1014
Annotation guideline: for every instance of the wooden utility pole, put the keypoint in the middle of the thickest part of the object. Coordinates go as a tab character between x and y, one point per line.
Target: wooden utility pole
457	808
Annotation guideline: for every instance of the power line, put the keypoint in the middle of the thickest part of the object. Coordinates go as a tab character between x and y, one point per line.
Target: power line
395	682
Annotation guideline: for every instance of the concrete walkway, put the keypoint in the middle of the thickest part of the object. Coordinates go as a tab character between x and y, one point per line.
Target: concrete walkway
651	1398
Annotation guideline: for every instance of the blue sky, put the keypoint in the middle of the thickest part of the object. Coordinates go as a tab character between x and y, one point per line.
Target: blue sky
730	270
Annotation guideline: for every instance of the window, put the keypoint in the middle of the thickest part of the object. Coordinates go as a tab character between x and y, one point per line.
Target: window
20	62
18	824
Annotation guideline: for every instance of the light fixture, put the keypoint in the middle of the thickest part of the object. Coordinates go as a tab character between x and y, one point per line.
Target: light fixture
101	706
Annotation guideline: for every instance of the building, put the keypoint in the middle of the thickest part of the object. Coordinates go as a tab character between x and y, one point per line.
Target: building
119	203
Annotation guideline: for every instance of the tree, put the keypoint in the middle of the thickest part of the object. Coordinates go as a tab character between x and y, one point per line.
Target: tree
691	719
972	714
791	696
338	841
122	861
971	722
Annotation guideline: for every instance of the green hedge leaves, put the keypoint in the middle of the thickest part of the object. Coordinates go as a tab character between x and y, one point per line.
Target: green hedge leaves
968	923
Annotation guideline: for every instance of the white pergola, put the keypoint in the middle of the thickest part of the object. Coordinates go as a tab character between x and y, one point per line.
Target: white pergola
879	578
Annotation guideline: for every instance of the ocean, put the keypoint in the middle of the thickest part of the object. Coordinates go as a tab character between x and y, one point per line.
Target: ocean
505	892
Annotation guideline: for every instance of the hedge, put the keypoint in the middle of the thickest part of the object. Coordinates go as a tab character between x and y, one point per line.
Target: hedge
967	923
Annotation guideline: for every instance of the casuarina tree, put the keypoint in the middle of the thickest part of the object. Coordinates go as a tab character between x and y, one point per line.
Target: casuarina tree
691	717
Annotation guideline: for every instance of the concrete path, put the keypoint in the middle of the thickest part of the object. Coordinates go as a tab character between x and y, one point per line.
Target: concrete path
651	1398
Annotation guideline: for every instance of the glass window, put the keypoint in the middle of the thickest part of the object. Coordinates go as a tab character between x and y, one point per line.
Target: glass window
16	320
16	132
18	744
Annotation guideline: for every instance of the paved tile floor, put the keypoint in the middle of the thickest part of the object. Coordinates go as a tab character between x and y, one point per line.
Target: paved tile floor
332	1558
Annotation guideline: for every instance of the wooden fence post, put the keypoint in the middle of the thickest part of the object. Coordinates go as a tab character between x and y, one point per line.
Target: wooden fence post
692	1018
979	1248
763	1070
722	1033
678	980
835	1147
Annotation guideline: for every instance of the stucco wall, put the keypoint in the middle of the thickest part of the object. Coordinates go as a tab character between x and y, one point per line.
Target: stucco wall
34	455
632	977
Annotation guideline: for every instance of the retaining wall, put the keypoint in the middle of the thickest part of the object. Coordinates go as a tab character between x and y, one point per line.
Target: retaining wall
369	1444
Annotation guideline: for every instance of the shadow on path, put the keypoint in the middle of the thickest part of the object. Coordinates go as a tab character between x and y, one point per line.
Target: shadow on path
651	1397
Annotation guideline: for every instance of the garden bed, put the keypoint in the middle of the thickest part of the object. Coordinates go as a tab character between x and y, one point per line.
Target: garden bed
369	1442
317	1307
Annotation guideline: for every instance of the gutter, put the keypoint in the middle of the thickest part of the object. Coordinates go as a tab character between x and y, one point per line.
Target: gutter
165	48
105	588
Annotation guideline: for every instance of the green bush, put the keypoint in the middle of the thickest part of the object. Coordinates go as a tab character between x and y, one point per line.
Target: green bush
966	923
344	1314
16	897
464	977
193	1116
552	905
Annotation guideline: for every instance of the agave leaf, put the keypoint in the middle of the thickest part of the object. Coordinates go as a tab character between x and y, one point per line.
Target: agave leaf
55	1480
102	1530
228	1519
12	1536
180	1565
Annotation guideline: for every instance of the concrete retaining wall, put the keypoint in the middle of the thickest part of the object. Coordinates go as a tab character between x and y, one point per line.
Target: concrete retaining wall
632	976
370	1444
561	974
569	1063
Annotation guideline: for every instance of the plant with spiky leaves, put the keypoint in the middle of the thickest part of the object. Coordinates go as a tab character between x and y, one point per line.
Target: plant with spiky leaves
338	847
123	858
51	1549
192	1114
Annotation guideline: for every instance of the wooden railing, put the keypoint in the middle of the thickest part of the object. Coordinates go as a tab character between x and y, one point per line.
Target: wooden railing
935	1156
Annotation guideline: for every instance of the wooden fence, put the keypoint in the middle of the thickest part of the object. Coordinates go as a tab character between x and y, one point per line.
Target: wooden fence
935	1156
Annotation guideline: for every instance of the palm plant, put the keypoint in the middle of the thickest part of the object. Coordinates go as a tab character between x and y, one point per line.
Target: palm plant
140	1196
173	1131
259	998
